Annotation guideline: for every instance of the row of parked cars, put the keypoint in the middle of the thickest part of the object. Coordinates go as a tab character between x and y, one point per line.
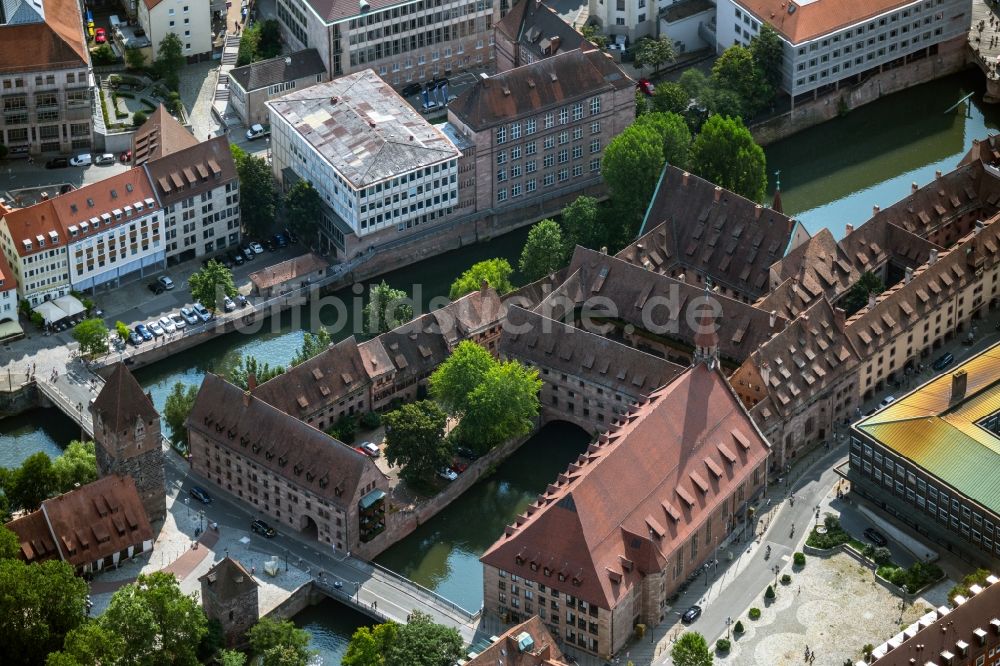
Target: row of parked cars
178	321
83	159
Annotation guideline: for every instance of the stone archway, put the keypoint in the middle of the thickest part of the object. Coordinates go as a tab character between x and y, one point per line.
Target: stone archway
308	526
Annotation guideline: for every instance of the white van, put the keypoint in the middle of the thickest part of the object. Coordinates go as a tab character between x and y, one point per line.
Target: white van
114	21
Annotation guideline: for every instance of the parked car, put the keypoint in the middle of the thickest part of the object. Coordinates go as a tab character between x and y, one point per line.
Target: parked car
134	338
256	247
144	332
241	300
257	131
104	159
269	245
155	328
466	452
167	324
248	253
165	282
645	87
876	537
189	316
943	361
887	400
178	321
199	494
156	288
202	312
227	304
411	89
100	36
280	241
83	159
458	466
237	258
260	527
371	449
691	614
447	474
57	163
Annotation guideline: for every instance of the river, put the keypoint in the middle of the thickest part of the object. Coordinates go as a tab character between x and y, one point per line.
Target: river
831	175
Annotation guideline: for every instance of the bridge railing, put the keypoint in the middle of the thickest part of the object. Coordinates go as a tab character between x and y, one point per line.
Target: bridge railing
468	615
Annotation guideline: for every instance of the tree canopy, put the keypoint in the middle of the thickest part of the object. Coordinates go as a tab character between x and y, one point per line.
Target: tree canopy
257	195
422	642
726	154
303	209
631	167
386	309
414	439
369	645
868	284
654	53
76	465
691	649
675	135
245	366
670	97
170	60
736	70
92	335
768	54
176	410
453	381
210	284
582	226
280	643
31	483
503	406
312	345
495	272
544	251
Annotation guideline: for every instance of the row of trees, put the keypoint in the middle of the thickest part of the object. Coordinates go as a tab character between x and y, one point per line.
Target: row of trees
39	477
259	41
259	201
419	642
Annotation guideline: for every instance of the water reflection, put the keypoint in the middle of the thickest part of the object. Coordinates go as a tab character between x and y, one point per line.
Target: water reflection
47	430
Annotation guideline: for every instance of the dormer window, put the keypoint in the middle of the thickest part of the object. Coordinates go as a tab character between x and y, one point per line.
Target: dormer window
90	203
562	578
114	194
128	187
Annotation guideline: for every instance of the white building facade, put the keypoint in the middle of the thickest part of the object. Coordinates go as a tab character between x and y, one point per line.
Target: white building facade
190	20
116	244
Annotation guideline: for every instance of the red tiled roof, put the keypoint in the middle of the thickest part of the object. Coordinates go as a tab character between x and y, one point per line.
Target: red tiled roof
813	19
34	537
122	401
56	43
7	281
509	651
611	503
160	135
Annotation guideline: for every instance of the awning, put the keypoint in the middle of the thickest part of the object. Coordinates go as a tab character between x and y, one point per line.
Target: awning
70	305
10	329
50	312
372	497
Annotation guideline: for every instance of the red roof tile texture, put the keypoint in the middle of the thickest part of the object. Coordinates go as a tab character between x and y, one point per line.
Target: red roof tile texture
810	20
56	43
511	650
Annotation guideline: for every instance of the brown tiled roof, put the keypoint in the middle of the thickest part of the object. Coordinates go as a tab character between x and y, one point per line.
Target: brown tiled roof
415	349
327	377
510	648
289	269
607	510
535	292
303	455
27	223
544	84
944	630
56	43
7	281
229	579
710	231
810	20
122	401
742	327
95	521
34	537
528	336
192	170
470	314
985	150
540	30
160	135
375	358
282	69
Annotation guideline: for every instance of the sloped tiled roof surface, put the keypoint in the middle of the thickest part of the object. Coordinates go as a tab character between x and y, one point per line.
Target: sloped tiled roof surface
508	651
362	127
809	20
711	231
289	269
609	508
188	172
470	314
538	28
229	579
528	89
6	275
281	69
34	538
34	45
122	401
160	135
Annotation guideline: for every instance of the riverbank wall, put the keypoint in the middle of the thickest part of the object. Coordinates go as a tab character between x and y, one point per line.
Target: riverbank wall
301	598
952	57
18	394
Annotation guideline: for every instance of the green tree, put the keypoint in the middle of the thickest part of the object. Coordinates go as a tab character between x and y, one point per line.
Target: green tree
593	35
736	70
977	577
721	102
691	649
3	151
102	55
345	429
422	642
89	643
312	345
303	209
39	605
726	154
176	410
654	53
213	641
232	658
581	225
249	45
767	50
170	60
495	272
631	167
670	97
504	406
139	118
270	39
32	483
257	196
676	136
694	82
76	466
134	58
279	642
414	439
455	379
249	365
92	335
9	544
160	624
386	309
544	251
369	645
211	284
868	284
123	331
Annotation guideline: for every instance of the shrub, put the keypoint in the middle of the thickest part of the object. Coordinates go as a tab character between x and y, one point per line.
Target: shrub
738	628
344	429
869	551
769	593
881	556
37	319
138	118
754	613
912	579
835	535
640	631
371	420
723	645
978	577
786	579
799	559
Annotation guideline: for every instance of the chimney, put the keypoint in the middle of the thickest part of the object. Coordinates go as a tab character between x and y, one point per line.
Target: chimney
251	381
875	210
483	286
684	178
45	196
848	229
937	174
718	193
908	276
765	372
871	301
774	318
839	317
913	188
756	211
933	258
795	285
604	249
959	382
979	227
246	398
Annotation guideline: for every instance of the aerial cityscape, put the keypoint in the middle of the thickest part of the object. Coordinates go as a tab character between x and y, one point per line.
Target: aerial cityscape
500	333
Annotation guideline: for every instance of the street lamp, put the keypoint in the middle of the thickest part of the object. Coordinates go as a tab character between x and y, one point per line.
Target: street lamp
286	559
776	569
817	515
187	503
201	520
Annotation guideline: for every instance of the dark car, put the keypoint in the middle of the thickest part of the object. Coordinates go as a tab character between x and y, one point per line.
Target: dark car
262	528
691	614
156	288
411	89
57	163
466	452
200	495
270	246
241	300
144	332
280	240
237	258
875	537
943	361
135	338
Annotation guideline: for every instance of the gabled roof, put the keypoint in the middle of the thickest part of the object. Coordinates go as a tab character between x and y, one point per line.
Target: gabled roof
42	35
160	135
608	521
7	280
470	314
280	69
413	349
229	580
26	224
363	128
538	29
564	77
526	644
274	440
803	20
189	171
290	269
122	401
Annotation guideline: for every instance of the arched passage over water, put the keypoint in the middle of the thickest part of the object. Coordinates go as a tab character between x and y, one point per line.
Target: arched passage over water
443	554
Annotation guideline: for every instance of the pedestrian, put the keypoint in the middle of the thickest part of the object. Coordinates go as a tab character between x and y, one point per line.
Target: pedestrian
800	589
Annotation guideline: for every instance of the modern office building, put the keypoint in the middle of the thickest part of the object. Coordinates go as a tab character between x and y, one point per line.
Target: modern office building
45	77
378	165
827	45
932	458
252	85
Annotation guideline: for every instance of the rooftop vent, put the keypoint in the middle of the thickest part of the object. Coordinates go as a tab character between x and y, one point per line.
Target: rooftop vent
363	4
288	59
525	642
